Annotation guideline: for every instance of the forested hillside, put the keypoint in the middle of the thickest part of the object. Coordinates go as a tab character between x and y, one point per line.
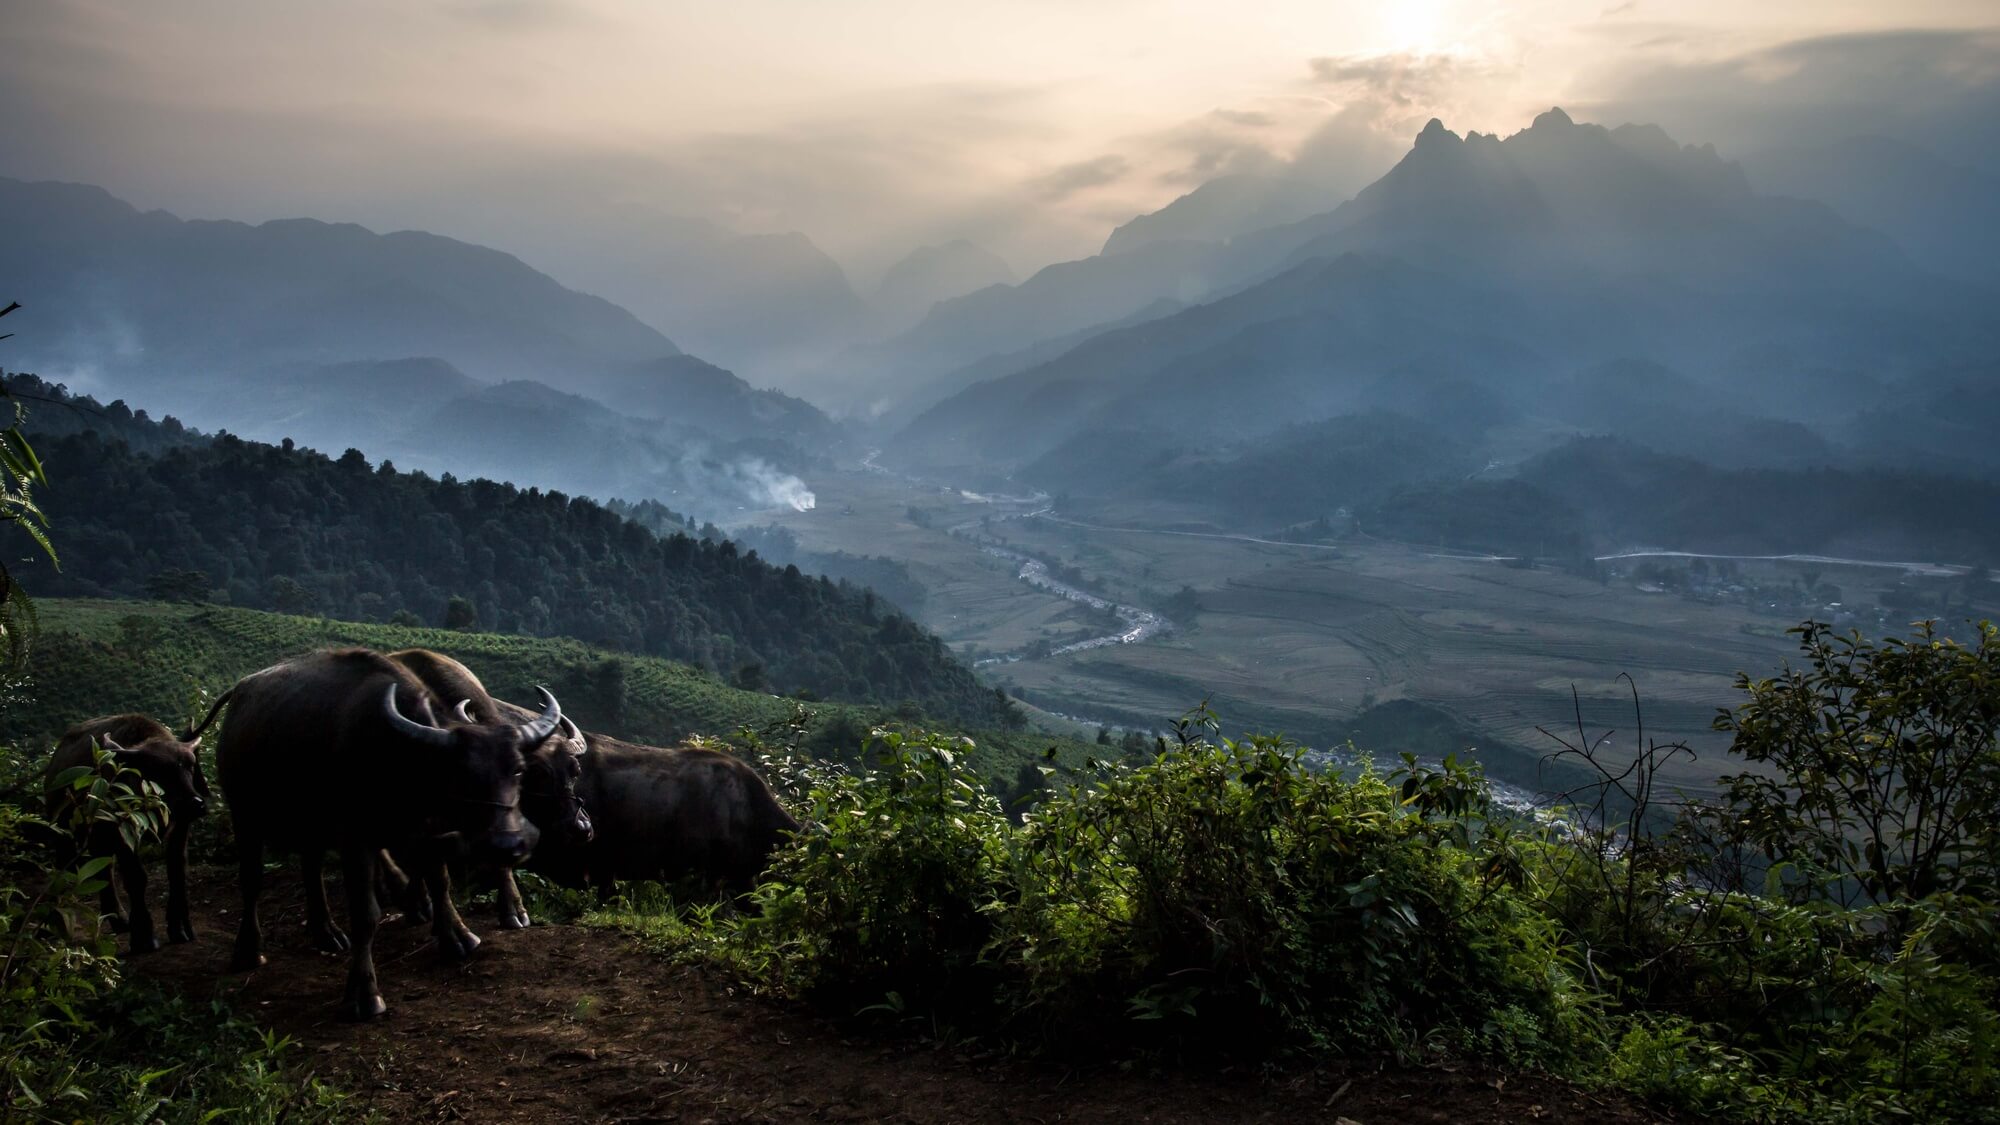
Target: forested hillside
287	528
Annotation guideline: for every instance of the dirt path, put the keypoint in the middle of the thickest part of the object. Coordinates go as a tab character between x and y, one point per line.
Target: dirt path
567	1024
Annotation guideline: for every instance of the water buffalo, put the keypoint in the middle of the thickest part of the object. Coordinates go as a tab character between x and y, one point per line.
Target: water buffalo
548	793
142	744
666	814
341	750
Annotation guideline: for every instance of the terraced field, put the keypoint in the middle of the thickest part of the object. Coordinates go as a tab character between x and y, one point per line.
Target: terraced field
105	657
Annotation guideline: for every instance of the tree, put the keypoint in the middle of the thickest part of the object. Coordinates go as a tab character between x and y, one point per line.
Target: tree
1880	766
289	595
20	472
461	614
750	677
177	585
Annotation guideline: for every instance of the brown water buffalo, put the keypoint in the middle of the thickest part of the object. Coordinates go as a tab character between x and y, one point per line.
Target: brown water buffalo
667	814
142	744
341	750
548	794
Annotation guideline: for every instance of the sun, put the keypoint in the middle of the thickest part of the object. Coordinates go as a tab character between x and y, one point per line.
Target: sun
1414	27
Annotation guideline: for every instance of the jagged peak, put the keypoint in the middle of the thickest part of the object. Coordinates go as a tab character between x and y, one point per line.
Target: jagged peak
1435	133
1555	118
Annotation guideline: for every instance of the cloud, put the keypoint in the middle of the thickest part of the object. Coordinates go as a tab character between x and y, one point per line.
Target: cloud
1937	89
1249	118
1083	175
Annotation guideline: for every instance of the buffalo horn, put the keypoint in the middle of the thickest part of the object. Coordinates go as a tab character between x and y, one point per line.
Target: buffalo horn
576	743
428	735
110	745
544	724
464	711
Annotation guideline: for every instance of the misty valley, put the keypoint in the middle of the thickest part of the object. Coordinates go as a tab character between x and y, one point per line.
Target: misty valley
1387	619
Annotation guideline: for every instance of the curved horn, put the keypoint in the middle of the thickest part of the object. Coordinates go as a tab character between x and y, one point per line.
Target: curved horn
463	711
428	735
543	724
577	745
110	745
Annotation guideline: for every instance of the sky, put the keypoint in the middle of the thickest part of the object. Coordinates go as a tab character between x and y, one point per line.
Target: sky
873	126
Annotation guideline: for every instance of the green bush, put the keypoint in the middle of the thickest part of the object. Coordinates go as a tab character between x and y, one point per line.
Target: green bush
1232	897
890	896
79	1039
1223	897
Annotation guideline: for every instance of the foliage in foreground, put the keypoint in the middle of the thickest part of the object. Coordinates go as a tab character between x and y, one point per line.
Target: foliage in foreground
1734	957
80	1040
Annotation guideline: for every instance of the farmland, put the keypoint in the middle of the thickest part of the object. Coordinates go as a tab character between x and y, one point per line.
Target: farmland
1308	639
104	657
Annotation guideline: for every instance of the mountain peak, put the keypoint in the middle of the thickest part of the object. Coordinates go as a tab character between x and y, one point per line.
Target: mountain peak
1435	133
1555	118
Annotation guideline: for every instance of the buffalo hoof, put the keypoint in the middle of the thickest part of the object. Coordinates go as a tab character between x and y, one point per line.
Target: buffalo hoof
330	940
178	932
515	919
145	943
360	1009
457	945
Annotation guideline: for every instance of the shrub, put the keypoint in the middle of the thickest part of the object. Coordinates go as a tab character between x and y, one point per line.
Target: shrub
1233	897
1224	896
78	1039
888	896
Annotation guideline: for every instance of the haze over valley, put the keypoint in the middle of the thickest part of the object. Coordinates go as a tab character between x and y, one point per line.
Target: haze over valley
1378	347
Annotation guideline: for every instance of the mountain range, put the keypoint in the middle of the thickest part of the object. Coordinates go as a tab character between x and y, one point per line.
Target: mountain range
435	352
1507	265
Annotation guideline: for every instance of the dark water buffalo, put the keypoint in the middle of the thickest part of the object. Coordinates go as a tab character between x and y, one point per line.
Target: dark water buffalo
548	791
342	750
142	744
667	814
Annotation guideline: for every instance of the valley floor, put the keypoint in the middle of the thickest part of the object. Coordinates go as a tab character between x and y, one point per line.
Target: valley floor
569	1024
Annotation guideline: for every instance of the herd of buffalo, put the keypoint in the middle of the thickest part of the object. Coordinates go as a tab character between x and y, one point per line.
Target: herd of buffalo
403	762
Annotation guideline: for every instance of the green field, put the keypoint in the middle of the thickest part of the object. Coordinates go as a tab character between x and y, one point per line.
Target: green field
102	657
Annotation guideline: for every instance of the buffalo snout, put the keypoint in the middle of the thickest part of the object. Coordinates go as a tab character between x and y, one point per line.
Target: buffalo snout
510	848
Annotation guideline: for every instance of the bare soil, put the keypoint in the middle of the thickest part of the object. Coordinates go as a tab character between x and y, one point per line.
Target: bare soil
568	1024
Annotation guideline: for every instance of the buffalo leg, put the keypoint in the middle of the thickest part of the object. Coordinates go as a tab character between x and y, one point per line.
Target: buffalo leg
107	905
180	926
250	877
455	941
326	937
513	913
393	886
364	996
133	874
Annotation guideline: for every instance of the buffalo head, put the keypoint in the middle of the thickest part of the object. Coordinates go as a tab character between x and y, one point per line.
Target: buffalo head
172	765
480	769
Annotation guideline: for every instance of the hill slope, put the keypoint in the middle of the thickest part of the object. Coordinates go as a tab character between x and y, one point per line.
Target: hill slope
98	657
273	526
